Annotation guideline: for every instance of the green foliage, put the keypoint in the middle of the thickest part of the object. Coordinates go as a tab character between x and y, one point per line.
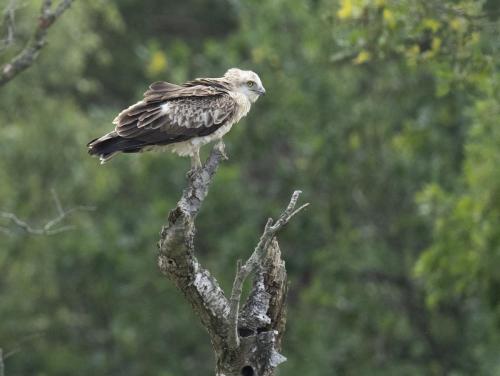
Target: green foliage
383	112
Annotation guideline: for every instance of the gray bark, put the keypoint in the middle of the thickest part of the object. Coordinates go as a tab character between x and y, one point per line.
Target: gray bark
246	337
30	53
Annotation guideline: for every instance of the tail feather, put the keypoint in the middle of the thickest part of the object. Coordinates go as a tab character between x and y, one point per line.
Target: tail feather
110	144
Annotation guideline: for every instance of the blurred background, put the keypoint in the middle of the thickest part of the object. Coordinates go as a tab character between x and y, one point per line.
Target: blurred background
384	112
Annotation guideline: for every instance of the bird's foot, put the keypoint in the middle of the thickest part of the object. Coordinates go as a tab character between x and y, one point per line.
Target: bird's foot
192	173
221	147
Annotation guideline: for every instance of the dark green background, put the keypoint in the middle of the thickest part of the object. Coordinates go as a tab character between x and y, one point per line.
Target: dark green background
384	112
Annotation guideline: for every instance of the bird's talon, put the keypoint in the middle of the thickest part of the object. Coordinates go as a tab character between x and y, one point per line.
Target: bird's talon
191	173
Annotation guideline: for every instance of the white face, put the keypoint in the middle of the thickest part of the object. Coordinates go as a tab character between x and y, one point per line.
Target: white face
246	82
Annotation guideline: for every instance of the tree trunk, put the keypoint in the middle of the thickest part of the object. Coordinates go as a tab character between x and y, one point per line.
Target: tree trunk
246	340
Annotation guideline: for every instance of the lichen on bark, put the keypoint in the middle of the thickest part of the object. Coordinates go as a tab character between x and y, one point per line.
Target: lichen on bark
246	338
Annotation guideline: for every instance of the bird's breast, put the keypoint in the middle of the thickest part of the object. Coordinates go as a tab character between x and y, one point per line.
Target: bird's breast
243	105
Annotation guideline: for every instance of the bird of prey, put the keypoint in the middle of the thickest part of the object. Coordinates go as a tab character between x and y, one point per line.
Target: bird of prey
181	118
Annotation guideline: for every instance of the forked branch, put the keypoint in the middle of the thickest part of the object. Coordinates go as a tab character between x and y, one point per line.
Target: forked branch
246	339
51	227
48	16
255	262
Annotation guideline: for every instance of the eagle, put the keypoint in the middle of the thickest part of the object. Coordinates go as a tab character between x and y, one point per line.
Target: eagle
181	118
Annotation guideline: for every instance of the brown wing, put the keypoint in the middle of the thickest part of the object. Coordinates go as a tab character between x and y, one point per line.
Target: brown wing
162	90
171	113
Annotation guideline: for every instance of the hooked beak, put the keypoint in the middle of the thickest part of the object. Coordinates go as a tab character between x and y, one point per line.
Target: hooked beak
261	91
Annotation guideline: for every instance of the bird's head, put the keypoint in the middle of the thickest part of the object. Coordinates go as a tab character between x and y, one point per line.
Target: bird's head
246	82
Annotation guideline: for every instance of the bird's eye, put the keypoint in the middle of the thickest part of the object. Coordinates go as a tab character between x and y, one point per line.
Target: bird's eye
250	83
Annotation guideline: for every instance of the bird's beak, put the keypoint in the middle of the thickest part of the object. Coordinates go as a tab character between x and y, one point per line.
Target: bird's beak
262	91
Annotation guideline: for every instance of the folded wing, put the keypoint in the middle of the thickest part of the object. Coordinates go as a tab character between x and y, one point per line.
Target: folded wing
171	113
168	114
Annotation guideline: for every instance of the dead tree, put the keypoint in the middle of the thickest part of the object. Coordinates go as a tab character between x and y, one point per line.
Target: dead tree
246	338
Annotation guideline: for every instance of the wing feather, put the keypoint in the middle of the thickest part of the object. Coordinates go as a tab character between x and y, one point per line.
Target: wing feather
169	113
163	91
178	118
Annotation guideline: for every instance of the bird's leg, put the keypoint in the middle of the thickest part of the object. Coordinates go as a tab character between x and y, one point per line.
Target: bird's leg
222	148
195	160
195	164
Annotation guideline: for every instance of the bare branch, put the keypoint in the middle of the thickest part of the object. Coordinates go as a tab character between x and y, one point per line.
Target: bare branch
19	344
8	23
16	349
270	231
2	368
246	340
49	228
38	40
233	338
255	262
176	257
289	212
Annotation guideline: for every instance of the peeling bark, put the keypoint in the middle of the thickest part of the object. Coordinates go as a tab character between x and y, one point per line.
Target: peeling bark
246	340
